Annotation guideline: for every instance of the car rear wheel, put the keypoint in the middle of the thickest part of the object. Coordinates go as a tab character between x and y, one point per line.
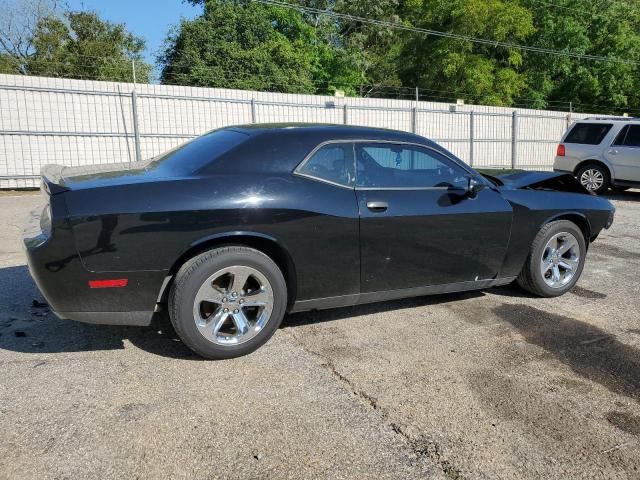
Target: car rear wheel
227	302
595	178
555	261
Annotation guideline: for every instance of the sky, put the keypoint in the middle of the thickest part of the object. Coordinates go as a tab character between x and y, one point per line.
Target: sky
149	19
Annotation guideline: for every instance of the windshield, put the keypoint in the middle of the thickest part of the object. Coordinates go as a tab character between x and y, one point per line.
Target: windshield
496	181
195	154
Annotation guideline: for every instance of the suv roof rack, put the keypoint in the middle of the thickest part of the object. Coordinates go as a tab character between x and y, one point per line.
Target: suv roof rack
621	119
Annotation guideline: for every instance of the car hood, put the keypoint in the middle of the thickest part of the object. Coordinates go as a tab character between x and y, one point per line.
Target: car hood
563	182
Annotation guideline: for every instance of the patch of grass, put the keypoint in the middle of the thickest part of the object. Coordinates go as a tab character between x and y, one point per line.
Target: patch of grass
495	172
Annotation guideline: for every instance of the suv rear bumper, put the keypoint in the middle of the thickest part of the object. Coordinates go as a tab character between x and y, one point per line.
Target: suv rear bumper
565	164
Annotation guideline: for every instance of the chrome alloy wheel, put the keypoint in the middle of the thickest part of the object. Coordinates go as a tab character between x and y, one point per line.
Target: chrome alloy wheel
233	305
592	179
560	260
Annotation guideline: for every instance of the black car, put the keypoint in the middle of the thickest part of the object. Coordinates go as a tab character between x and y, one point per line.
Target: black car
235	228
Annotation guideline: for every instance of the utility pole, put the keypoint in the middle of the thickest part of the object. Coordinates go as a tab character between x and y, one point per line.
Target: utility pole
134	111
133	69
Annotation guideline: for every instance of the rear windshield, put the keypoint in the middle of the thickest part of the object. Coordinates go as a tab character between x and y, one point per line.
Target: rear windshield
588	133
201	151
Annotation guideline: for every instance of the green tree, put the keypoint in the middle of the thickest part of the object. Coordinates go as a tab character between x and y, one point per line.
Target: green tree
83	46
71	44
247	45
373	50
447	68
591	27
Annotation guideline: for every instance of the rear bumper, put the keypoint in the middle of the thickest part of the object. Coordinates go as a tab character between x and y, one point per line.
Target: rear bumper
138	319
58	271
565	164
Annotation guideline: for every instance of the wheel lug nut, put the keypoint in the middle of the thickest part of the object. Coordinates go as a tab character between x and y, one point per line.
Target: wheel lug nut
225	300
235	311
234	294
241	301
226	310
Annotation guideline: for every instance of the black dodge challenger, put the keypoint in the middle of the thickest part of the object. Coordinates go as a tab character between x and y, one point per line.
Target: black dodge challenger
235	228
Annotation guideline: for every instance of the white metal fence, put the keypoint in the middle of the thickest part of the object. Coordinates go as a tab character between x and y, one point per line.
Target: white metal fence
77	122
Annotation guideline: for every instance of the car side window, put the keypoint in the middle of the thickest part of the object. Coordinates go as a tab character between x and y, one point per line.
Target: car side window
332	163
382	165
619	141
633	136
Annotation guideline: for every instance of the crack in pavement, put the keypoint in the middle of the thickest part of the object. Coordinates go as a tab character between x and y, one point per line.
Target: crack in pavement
423	448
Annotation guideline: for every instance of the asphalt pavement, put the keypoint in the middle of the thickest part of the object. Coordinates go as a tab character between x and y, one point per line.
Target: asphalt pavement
489	384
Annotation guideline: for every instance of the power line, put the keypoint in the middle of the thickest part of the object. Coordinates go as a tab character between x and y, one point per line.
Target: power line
387	91
590	14
453	36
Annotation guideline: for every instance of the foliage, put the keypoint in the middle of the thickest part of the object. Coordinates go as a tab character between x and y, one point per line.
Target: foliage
594	27
250	45
78	45
246	45
463	69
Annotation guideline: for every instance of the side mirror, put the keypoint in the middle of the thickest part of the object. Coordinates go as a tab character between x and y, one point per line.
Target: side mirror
474	187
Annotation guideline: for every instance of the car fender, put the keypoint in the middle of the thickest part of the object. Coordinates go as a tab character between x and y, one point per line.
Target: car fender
571	215
584	161
280	255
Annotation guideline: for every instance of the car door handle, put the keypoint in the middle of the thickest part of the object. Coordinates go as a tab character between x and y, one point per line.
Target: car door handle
377	206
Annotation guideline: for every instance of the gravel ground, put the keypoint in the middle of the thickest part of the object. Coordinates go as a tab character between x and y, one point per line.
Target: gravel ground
491	384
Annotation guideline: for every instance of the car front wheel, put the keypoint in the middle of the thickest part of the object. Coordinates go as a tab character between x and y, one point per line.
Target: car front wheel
227	302
555	261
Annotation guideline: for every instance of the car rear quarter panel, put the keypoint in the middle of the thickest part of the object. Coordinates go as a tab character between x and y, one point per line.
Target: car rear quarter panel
147	227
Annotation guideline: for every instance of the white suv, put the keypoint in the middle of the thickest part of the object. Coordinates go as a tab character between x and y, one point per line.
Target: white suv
602	153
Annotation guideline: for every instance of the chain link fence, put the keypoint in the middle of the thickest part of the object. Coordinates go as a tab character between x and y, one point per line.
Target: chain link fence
77	122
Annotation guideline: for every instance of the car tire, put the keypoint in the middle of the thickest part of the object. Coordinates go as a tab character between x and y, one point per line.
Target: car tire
545	272
227	302
595	178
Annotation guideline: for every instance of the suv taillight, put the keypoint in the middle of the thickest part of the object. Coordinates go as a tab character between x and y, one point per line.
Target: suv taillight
562	151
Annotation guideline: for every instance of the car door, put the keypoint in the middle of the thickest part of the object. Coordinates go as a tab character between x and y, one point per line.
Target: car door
418	225
624	154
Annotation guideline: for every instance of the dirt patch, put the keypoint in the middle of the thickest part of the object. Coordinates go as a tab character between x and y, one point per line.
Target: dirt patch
588	350
15	193
616	252
625	421
586	293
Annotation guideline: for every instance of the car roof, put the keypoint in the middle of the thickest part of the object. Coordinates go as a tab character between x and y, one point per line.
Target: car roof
327	132
624	120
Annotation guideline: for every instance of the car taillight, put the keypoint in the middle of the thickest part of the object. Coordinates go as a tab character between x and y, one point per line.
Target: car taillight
562	151
118	283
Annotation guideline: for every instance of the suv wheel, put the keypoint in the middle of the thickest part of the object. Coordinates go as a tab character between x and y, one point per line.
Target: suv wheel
555	261
227	302
595	178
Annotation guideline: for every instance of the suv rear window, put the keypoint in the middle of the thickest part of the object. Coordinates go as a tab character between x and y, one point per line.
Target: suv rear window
588	133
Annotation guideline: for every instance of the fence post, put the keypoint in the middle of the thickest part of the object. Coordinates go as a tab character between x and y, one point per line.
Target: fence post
253	110
471	137
570	114
345	113
414	120
136	127
514	139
